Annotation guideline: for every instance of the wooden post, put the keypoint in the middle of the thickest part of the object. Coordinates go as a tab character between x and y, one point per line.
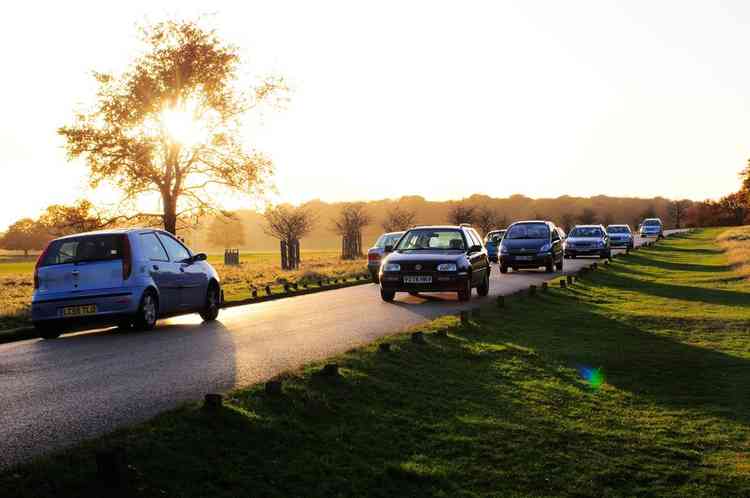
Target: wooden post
500	301
532	290
464	318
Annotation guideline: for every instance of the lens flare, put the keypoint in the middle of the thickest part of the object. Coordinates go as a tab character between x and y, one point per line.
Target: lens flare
593	376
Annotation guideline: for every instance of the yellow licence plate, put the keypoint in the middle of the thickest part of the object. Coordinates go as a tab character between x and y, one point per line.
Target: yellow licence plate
86	309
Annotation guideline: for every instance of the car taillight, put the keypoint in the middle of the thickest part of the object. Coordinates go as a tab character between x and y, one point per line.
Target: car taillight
373	257
38	264
127	258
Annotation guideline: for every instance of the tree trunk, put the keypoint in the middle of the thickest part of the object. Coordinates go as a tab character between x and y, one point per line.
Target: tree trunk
26	253
170	213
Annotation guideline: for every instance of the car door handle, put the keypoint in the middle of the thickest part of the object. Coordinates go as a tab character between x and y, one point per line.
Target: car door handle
155	267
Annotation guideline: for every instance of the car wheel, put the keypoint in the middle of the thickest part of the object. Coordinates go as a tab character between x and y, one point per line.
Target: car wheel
550	266
387	296
213	300
484	287
464	294
503	268
148	311
47	331
375	279
559	266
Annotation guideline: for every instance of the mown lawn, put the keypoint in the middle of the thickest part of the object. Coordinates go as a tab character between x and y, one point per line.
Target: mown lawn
631	383
257	270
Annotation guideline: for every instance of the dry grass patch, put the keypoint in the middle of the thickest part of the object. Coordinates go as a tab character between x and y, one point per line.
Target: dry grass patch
736	243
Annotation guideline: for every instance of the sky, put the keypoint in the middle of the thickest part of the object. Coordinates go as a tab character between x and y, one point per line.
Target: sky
439	99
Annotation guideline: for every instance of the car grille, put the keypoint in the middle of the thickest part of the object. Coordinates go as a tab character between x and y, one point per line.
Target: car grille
412	267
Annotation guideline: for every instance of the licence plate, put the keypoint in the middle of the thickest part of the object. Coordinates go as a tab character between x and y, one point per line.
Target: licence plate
86	309
524	258
418	279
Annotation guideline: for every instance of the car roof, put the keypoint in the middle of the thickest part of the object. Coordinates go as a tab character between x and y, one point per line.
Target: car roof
392	233
439	227
533	221
618	225
111	231
588	226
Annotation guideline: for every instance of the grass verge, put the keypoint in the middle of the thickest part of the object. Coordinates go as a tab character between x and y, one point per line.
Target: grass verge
630	383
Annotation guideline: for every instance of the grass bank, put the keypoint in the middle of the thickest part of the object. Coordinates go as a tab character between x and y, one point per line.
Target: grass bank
257	270
632	382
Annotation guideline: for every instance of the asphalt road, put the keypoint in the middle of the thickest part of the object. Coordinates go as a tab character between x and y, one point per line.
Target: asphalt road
56	393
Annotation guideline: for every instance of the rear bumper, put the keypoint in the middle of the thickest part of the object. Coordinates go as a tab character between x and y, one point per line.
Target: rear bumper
111	305
440	283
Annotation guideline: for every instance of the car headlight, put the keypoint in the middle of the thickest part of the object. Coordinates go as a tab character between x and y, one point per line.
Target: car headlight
503	250
447	267
546	248
391	267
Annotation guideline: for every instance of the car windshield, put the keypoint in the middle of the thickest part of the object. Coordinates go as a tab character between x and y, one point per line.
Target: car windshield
528	231
618	230
651	223
592	232
495	236
426	239
84	249
387	239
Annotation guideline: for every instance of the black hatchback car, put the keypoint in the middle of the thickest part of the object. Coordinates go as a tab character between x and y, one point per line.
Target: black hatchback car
531	244
436	259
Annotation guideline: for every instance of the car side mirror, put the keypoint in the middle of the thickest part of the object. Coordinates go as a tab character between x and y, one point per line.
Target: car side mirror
201	256
388	248
475	248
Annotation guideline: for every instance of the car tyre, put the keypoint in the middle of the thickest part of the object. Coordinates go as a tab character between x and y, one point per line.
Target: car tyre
503	268
484	288
559	265
47	331
464	294
550	266
387	295
148	311
212	305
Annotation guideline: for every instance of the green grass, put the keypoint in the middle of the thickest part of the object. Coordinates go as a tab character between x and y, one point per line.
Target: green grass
630	383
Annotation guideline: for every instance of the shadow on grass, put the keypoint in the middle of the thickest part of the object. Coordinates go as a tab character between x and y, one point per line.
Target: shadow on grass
675	266
670	291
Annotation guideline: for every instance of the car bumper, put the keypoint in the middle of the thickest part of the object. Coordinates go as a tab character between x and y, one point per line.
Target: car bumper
586	252
621	243
440	283
517	261
111	305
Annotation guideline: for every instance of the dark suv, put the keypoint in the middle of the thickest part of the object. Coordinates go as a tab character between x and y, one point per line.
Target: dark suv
531	244
436	259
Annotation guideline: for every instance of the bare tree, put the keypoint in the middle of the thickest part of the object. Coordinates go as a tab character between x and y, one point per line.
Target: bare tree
461	213
677	211
170	125
398	219
226	231
289	225
349	224
587	217
486	220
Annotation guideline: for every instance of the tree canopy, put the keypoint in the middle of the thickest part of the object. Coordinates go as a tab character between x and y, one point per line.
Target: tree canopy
170	125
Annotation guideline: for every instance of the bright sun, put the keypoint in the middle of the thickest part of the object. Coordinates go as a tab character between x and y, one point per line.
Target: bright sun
182	124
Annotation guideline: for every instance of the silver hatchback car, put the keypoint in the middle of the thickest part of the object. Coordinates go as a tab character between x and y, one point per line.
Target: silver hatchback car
129	277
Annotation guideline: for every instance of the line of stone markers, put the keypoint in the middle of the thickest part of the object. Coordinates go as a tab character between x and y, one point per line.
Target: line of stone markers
289	288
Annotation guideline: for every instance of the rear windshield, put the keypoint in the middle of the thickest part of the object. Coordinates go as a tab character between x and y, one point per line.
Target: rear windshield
528	231
84	249
618	230
593	232
419	240
387	240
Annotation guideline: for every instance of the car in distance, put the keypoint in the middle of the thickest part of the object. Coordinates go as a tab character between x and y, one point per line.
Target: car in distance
620	236
531	244
492	243
588	240
376	252
436	259
652	227
129	277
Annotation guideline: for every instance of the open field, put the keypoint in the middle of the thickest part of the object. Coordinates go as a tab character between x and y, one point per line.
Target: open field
630	383
257	269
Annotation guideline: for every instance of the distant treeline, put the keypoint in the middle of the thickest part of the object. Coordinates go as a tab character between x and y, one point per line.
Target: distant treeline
565	211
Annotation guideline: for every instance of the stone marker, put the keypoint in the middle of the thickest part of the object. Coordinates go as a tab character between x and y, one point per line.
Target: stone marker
330	370
500	301
273	387
112	467
384	347
213	401
464	318
417	338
